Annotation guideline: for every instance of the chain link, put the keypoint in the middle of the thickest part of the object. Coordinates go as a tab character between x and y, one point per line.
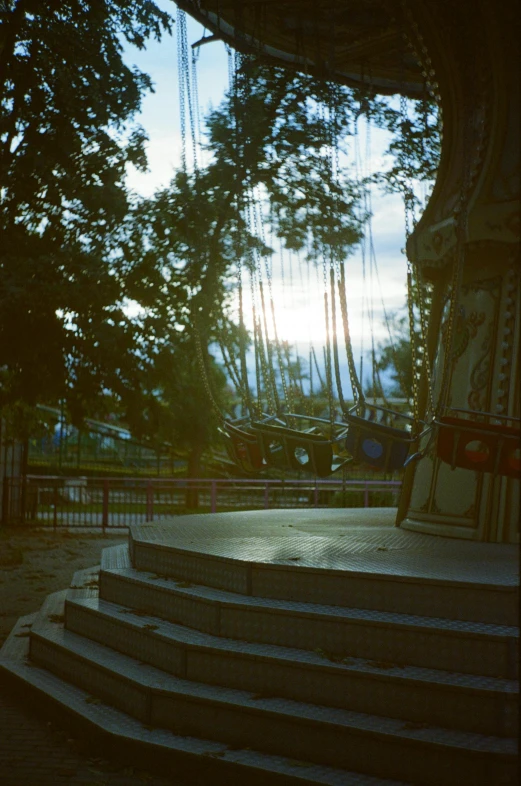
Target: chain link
181	43
204	371
259	231
420	351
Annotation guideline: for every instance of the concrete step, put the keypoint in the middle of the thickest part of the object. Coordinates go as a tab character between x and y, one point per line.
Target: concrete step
194	760
479	704
433	643
322	735
254	555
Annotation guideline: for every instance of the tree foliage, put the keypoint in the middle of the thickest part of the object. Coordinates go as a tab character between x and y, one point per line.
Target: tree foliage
272	141
394	356
76	251
68	104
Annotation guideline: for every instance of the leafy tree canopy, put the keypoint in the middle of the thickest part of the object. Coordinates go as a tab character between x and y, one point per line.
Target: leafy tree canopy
68	104
270	137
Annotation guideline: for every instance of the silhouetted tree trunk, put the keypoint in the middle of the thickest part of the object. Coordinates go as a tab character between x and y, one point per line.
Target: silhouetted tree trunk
194	471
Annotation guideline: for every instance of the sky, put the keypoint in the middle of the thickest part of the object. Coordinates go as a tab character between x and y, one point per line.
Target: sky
299	303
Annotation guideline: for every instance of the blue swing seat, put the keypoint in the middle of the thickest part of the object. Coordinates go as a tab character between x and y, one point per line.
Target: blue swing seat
375	443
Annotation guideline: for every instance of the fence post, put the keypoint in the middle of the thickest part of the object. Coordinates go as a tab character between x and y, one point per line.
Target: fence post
366	495
150	502
105	508
23	499
315	494
266	495
55	505
213	496
6	499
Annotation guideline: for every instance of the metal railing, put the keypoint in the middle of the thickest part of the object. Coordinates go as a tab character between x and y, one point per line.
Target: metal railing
116	502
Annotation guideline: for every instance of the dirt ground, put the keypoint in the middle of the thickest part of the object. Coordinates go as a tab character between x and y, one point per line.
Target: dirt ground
35	562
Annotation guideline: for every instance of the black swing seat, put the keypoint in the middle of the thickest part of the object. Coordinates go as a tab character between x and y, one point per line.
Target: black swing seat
480	445
243	446
372	441
310	450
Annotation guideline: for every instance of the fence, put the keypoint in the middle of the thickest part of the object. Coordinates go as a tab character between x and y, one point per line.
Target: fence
116	502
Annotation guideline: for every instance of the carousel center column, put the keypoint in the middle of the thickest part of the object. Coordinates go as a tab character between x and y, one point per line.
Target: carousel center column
470	54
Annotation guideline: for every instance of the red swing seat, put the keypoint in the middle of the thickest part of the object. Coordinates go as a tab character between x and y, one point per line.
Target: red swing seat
243	448
480	446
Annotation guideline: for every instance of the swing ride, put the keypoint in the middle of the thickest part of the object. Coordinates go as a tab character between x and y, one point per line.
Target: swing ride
280	646
460	444
275	435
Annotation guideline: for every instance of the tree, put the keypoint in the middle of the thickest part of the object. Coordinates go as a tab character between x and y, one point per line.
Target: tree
182	246
394	356
67	133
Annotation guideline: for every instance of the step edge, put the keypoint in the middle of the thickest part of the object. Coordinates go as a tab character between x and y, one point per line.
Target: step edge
146	684
246	762
506	687
336	572
451	627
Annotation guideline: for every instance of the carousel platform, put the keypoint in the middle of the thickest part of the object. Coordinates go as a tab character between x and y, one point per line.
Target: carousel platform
287	647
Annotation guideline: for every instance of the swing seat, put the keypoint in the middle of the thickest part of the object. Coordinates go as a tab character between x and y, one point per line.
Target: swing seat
243	448
375	443
308	451
480	446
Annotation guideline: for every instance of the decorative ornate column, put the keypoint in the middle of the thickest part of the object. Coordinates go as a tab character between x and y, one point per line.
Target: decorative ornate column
470	54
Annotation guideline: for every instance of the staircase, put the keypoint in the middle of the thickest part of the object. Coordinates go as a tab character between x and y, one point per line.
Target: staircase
228	666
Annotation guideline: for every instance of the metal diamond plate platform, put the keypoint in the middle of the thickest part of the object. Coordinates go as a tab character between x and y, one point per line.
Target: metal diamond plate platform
256	641
362	541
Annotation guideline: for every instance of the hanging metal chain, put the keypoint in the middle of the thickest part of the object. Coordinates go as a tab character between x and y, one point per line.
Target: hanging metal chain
230	363
356	387
375	377
262	359
257	349
203	369
195	98
416	44
239	244
231	368
258	364
317	368
420	359
336	359
259	231
262	349
181	73
332	258
327	357
231	74
187	92
458	265
337	271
